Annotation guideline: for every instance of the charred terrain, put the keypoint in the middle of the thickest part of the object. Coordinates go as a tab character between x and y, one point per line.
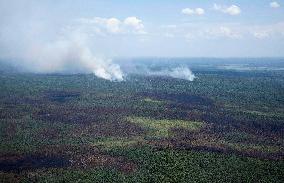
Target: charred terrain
225	126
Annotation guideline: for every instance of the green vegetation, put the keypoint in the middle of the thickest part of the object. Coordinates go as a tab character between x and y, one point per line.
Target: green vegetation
162	128
188	166
225	126
112	143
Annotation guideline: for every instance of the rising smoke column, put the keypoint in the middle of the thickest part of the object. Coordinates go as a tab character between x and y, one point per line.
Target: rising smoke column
69	56
180	72
67	53
35	40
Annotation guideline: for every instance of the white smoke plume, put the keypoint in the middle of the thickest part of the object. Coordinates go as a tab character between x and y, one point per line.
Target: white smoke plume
177	72
70	56
181	73
37	39
34	40
167	67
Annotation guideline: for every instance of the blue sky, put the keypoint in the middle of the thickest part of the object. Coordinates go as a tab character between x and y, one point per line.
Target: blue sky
128	28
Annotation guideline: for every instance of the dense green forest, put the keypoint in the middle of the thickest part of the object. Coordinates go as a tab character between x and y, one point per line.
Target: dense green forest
225	126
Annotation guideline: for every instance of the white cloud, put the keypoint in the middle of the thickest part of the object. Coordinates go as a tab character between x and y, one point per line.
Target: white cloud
274	4
199	11
220	31
113	25
190	36
189	11
169	35
212	33
260	35
135	23
110	25
231	10
268	31
223	31
170	26
228	32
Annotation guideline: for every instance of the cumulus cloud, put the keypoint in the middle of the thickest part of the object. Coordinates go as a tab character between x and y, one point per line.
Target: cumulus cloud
221	31
196	11
227	32
114	25
260	34
268	31
274	4
213	33
169	35
136	24
231	10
